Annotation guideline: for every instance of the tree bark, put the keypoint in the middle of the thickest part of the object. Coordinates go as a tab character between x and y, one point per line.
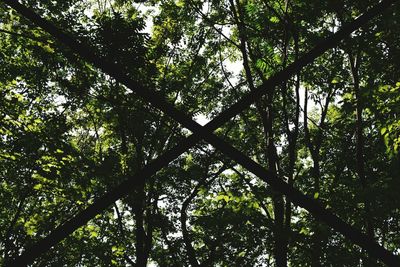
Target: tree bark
183	218
360	164
280	249
314	147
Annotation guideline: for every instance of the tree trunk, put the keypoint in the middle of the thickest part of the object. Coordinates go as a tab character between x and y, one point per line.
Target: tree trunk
314	149
280	235
138	209
280	250
360	165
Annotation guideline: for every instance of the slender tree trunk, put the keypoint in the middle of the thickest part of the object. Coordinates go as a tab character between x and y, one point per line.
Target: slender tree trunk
360	164
318	238
138	209
137	202
183	219
292	135
186	238
280	250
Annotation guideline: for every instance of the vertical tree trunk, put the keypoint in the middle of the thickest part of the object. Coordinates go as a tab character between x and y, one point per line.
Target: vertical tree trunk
280	234
317	238
314	147
292	135
138	209
360	165
138	201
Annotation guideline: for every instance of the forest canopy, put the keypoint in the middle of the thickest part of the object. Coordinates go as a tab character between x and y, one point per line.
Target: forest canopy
200	133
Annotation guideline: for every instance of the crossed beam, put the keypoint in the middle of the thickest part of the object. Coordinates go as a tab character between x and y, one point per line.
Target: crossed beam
205	133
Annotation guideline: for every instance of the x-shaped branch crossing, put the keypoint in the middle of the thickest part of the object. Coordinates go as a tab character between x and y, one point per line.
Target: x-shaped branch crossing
205	133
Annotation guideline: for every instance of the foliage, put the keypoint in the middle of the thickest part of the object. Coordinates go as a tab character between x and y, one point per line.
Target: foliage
70	133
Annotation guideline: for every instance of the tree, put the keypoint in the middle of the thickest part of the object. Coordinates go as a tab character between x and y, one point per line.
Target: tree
80	132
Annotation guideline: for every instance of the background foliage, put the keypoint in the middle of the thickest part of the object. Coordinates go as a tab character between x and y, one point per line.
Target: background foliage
69	132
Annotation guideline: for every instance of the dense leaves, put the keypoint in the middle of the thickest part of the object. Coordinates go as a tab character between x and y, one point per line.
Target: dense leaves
70	133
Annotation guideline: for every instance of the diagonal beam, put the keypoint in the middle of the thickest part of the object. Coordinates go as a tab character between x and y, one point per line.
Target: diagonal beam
204	133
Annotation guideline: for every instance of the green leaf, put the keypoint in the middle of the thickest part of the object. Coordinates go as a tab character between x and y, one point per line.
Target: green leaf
304	230
180	3
242	254
220	197
226	198
38	186
93	234
274	19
